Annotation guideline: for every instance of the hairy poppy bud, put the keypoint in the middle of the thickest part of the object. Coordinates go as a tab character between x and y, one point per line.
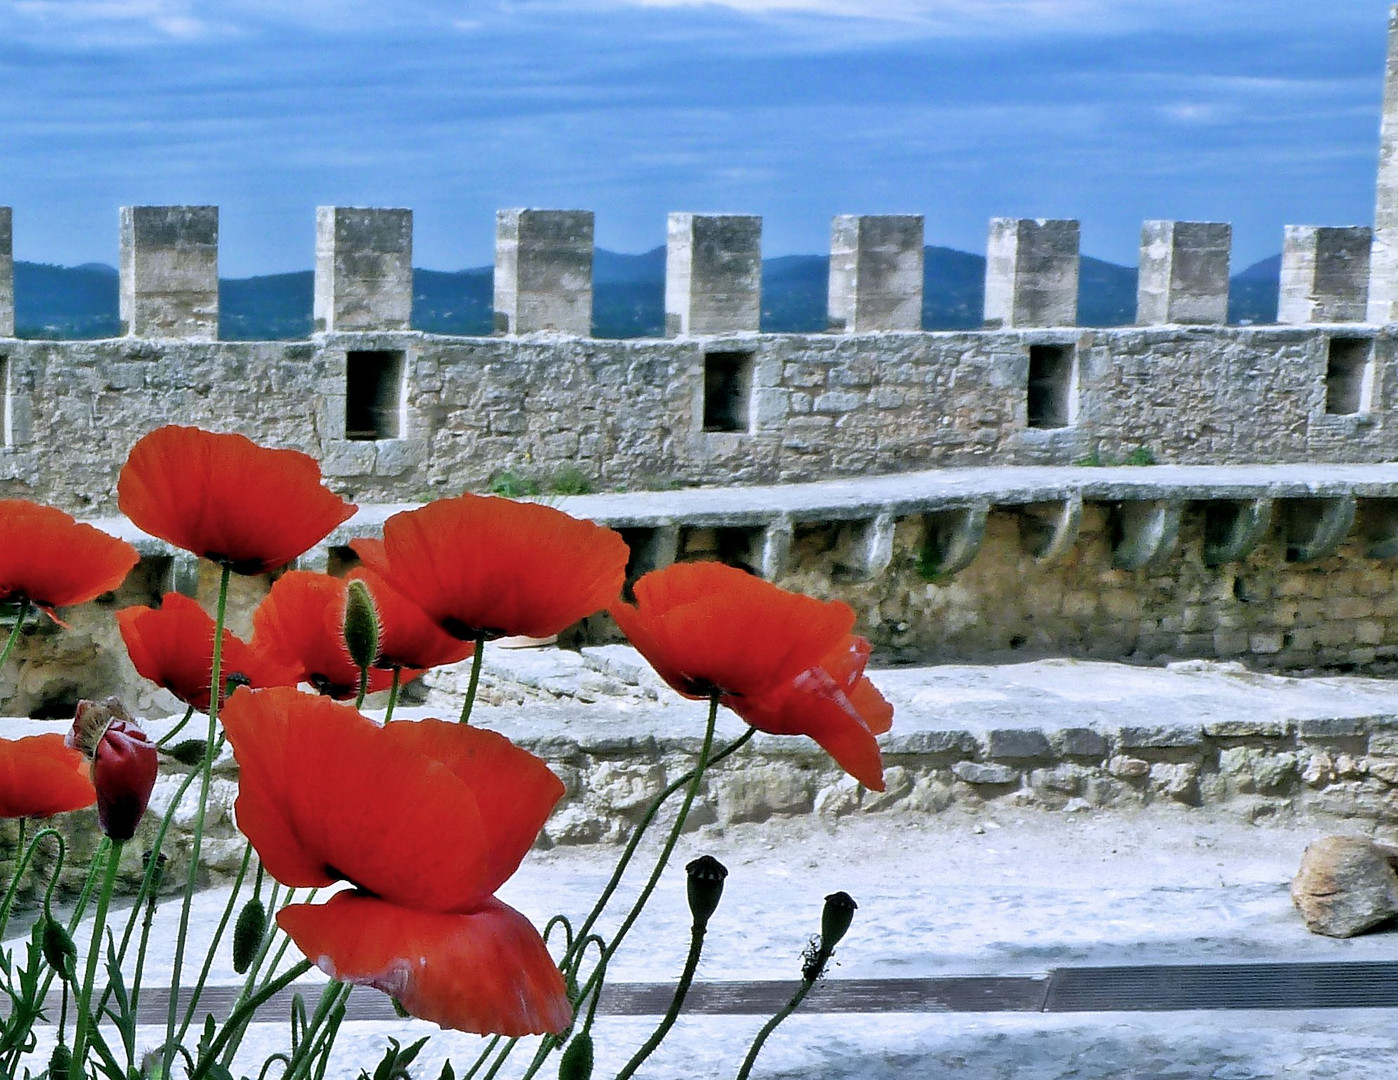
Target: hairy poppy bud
835	919
235	680
705	886
124	768
577	1058
59	949
60	1063
361	625
90	722
187	751
247	934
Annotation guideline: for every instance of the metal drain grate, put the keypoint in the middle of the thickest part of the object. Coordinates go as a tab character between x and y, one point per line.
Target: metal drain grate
1224	986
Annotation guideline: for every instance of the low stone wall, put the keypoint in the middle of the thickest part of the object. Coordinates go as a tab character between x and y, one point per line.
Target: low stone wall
1324	748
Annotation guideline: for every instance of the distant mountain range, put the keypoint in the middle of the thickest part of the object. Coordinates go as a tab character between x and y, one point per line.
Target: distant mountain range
628	297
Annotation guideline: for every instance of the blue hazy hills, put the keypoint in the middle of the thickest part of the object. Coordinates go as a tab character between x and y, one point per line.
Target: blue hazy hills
628	297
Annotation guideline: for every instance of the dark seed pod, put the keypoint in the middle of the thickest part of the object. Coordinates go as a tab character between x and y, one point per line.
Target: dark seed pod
59	949
187	752
60	1062
247	934
577	1058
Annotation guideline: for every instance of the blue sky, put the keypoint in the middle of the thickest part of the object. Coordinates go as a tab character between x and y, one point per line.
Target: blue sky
1259	112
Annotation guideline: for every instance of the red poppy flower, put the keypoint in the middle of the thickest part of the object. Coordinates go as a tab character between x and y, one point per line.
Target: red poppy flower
301	624
227	499
785	663
486	565
407	637
426	819
173	647
50	560
41	775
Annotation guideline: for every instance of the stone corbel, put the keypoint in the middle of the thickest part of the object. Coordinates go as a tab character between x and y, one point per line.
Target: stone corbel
878	545
1233	528
1048	530
1316	527
1147	531
952	539
776	548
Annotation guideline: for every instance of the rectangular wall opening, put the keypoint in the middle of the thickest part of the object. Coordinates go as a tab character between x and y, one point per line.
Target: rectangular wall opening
373	395
1349	375
732	545
1051	384
727	391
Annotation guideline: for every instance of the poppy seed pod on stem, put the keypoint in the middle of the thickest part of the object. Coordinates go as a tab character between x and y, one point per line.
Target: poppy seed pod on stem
124	769
705	886
835	919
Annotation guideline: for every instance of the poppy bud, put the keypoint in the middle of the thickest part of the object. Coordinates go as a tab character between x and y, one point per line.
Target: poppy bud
577	1058
247	934
705	886
235	680
124	768
59	949
60	1063
835	919
361	625
187	751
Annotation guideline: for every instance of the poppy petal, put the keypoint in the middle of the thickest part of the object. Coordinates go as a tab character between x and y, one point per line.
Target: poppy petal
482	564
40	775
52	560
173	647
326	794
708	626
486	971
515	790
226	498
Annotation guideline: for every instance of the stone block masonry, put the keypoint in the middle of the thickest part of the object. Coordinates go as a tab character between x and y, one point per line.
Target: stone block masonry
364	268
7	275
169	272
876	267
1184	273
543	271
1031	273
1324	274
713	274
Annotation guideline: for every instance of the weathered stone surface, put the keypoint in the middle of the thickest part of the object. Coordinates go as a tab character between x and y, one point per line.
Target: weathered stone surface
1346	885
1257	769
7	274
975	772
1184	272
1078	742
1015	744
876	278
1331	727
1128	768
364	268
756	793
898	783
543	271
1179	782
1162	737
169	272
624	787
1324	274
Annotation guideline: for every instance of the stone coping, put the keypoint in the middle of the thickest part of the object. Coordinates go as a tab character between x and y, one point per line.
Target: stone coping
912	493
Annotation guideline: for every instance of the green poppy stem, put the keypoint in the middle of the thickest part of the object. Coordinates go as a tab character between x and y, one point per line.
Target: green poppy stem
170	735
476	659
363	688
771	1026
696	946
99	923
14	632
205	774
393	694
243	1013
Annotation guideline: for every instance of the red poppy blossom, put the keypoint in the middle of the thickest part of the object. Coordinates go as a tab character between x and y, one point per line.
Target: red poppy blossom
483	565
407	637
227	499
785	663
301	625
41	775
124	767
173	647
426	819
51	560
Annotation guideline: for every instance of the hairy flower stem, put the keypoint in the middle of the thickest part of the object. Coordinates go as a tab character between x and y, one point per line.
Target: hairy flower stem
477	657
205	773
169	736
198	990
242	1014
363	688
696	946
771	1026
23	857
670	842
393	694
99	923
635	841
14	632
